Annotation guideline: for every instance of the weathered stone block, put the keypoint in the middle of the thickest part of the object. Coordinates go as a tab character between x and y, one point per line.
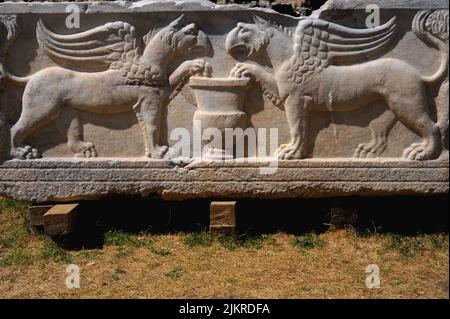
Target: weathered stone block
37	212
189	99
222	217
341	217
59	219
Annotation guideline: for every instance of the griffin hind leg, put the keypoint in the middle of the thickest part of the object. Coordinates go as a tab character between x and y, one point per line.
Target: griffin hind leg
412	111
33	117
75	141
380	128
69	124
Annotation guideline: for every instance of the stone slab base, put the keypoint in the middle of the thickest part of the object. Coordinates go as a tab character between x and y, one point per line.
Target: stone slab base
60	180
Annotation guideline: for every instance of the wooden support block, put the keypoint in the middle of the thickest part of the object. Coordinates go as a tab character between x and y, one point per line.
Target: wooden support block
59	219
222	217
37	214
341	217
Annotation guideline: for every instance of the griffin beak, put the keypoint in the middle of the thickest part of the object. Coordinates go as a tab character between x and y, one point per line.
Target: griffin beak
234	46
203	45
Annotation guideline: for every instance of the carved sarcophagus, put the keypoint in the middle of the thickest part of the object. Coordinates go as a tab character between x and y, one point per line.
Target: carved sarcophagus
190	99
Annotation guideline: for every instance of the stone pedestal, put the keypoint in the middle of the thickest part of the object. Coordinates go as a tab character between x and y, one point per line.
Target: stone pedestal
341	217
222	217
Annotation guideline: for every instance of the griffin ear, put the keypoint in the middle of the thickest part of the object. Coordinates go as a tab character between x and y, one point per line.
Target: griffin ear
178	22
260	22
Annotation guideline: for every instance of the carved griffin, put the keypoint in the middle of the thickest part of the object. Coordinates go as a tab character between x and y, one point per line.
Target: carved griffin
328	69
120	72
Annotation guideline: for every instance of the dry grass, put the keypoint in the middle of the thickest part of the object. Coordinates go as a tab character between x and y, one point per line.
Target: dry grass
329	265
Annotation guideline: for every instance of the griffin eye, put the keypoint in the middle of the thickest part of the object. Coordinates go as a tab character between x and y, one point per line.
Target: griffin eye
190	29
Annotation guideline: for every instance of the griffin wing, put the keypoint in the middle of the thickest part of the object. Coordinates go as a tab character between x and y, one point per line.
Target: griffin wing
319	43
108	46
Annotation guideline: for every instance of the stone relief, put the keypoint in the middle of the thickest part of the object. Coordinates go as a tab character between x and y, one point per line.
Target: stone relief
350	110
117	72
328	71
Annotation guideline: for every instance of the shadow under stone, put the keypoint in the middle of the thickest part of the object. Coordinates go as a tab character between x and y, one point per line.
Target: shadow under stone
398	214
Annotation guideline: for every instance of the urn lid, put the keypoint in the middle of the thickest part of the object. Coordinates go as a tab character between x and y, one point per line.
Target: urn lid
197	81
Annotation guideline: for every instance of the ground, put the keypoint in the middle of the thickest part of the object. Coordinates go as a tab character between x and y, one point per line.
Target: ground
331	264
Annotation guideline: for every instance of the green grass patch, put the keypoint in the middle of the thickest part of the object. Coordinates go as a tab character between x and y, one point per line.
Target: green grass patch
252	242
407	246
307	242
160	251
88	254
414	246
120	238
193	239
13	206
439	242
229	241
270	240
51	250
175	273
123	252
17	257
118	274
17	234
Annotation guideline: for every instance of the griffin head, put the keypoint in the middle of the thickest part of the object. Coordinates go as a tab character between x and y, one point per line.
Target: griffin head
187	38
248	38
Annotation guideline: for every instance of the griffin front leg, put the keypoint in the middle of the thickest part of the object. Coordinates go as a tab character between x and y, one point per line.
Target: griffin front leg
181	75
297	111
148	113
264	78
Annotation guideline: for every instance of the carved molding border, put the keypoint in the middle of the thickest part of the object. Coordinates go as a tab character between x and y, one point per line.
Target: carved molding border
50	180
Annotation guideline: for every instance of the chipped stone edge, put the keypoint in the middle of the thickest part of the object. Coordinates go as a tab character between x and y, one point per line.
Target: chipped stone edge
9	7
127	7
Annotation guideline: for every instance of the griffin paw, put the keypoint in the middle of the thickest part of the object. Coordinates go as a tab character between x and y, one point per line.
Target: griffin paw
419	152
289	151
368	150
159	151
26	153
200	67
86	150
241	70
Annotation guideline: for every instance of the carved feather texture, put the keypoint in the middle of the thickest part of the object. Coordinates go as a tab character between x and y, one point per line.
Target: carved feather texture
111	46
114	46
319	43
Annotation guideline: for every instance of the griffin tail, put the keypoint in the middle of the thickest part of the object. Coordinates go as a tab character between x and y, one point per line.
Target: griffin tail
11	31
432	27
17	80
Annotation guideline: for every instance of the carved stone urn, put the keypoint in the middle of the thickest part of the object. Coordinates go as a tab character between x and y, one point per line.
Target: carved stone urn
220	105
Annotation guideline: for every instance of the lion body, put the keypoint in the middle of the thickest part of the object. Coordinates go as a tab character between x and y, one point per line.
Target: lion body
107	93
51	90
347	88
